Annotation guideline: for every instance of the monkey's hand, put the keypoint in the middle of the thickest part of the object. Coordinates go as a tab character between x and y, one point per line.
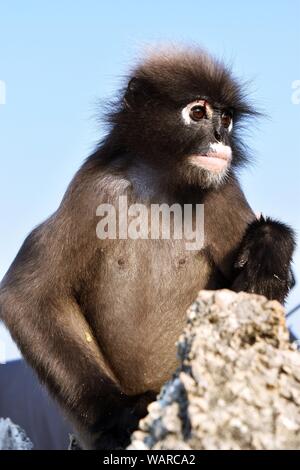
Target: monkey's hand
263	263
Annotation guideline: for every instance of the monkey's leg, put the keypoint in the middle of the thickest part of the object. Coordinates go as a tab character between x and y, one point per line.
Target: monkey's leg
56	340
263	264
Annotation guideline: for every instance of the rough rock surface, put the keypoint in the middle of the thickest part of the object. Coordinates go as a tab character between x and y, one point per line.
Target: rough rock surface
238	386
12	437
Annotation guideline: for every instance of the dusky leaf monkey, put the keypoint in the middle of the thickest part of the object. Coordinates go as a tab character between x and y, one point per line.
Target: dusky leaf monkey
98	319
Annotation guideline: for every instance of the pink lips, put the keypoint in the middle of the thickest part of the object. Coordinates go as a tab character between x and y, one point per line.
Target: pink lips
217	158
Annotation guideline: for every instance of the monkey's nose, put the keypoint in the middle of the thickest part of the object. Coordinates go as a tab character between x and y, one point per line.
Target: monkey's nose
218	136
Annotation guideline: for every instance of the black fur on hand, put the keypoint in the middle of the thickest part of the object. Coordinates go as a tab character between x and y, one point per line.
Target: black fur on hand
263	264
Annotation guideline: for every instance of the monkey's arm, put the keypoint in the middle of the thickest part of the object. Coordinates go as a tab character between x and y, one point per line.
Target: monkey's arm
38	306
263	263
254	255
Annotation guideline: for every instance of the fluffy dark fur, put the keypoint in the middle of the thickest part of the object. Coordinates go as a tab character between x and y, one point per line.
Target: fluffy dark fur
157	90
98	319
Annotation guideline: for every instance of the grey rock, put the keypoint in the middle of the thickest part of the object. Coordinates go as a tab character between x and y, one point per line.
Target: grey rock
238	385
12	437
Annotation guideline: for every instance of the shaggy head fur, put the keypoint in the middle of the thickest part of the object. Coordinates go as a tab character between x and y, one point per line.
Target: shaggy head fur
148	121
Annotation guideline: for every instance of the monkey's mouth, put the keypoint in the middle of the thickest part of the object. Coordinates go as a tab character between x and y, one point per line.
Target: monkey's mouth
216	159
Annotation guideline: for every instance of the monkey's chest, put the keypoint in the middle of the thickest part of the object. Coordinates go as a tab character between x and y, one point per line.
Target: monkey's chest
142	293
149	275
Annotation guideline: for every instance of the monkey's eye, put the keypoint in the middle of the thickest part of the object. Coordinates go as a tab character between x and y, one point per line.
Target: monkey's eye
198	112
226	119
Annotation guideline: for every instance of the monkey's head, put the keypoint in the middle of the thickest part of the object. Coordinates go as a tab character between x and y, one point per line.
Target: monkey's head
181	112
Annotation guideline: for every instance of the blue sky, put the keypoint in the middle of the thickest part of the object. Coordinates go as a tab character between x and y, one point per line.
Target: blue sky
59	59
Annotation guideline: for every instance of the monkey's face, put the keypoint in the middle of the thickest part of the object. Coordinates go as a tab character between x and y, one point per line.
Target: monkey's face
181	113
209	160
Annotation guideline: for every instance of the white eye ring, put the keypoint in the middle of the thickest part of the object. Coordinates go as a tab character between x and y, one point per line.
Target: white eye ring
230	115
186	112
230	125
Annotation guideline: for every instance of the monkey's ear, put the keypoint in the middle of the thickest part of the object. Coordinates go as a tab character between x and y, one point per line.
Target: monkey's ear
138	89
